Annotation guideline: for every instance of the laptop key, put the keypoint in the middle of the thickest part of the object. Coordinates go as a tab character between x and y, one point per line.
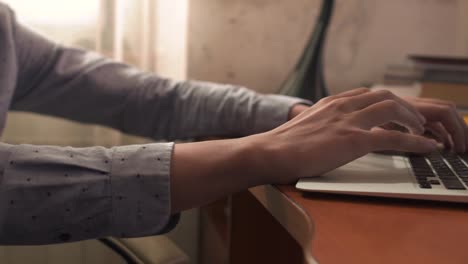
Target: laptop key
423	182
461	172
458	166
425	185
434	182
424	174
453	184
464	157
455	187
444	170
422	177
447	176
420	167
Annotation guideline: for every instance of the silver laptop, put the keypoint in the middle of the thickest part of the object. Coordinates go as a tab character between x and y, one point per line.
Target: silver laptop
438	176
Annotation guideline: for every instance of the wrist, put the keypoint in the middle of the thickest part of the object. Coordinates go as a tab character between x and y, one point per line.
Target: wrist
265	159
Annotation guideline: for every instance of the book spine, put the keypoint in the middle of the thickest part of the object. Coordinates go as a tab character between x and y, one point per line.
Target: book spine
460	77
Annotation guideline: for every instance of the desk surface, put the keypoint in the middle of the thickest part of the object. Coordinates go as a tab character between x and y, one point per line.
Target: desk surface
350	229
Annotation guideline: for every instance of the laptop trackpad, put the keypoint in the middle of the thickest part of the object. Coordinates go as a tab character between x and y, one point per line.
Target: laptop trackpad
371	168
372	172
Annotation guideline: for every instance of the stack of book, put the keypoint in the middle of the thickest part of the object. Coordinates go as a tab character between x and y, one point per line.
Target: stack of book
440	77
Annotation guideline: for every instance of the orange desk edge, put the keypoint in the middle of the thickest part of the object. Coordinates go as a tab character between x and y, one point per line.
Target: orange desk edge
350	229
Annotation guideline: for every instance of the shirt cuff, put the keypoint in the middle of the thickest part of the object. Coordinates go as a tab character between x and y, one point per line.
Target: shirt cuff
141	196
274	110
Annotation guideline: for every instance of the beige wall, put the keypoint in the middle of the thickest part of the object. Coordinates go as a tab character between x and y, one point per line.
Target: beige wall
256	42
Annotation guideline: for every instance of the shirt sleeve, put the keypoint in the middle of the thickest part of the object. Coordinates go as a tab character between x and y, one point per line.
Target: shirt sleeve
86	87
62	194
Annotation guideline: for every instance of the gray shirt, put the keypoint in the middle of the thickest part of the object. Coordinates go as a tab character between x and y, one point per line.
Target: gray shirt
54	194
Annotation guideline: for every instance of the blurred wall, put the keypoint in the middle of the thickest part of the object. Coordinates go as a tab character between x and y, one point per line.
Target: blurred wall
256	42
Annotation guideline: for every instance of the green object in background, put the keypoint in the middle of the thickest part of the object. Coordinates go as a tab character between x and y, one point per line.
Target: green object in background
307	79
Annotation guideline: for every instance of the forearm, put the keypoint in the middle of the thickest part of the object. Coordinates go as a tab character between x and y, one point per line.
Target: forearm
86	87
205	171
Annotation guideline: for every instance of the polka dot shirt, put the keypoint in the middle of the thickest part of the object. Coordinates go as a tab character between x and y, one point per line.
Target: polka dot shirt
51	194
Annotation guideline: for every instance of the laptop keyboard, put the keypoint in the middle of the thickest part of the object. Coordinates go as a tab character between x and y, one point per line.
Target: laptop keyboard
442	169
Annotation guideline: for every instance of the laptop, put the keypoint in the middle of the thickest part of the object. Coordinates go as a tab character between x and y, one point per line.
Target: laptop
441	176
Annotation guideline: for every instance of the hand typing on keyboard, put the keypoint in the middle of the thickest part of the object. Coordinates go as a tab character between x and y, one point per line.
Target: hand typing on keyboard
443	121
341	128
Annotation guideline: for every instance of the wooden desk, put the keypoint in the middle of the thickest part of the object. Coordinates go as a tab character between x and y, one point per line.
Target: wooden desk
283	225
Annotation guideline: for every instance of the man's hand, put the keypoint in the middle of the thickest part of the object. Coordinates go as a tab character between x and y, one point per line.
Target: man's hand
339	129
443	121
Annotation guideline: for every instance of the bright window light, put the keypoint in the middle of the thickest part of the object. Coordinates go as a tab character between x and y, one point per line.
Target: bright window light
53	12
